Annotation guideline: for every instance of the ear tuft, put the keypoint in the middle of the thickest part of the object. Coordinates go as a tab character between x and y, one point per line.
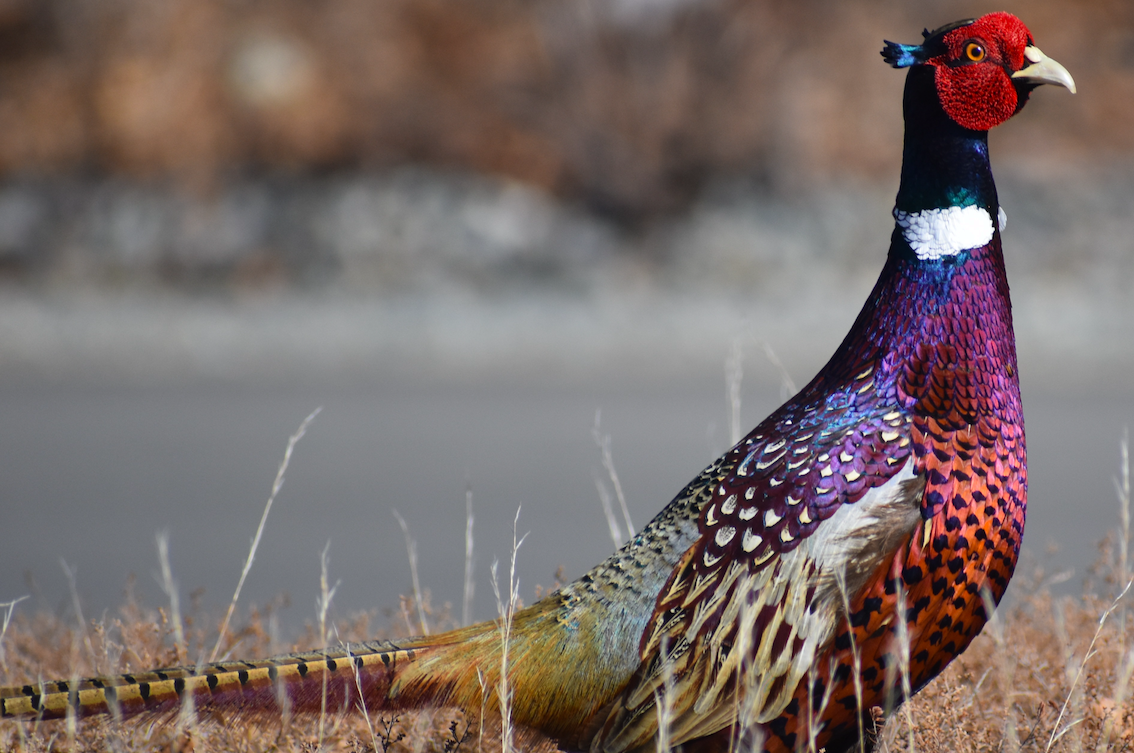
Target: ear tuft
903	55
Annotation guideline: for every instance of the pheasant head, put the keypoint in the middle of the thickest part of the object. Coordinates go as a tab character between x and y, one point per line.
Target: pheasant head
983	69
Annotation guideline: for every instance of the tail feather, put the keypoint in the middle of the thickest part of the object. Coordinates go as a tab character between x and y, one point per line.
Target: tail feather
569	655
303	682
557	687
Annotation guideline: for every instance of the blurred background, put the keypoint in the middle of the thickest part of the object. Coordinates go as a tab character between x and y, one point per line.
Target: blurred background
462	228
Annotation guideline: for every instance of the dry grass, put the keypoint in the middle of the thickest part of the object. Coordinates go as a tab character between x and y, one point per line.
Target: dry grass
1049	673
1005	693
141	636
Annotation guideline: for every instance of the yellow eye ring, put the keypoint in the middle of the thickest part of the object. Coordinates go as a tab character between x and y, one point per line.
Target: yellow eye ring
974	51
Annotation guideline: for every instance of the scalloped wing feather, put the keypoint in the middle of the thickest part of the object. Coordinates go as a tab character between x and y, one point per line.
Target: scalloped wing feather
760	631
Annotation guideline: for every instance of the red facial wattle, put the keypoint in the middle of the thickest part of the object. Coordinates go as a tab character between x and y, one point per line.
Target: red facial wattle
977	97
980	93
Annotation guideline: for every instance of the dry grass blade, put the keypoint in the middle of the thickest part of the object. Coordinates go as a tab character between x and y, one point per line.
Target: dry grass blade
169	588
903	638
411	550
608	512
483	703
1122	488
1056	732
1121	692
734	375
507	612
322	605
361	696
78	607
748	733
276	486
603	442
9	608
283	698
470	581
186	712
787	384
664	702
856	655
1007	669
72	721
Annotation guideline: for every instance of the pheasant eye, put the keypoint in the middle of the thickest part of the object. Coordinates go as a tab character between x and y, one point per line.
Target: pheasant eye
974	51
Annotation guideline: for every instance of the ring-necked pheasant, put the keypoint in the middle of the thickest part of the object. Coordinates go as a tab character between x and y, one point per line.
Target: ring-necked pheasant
832	561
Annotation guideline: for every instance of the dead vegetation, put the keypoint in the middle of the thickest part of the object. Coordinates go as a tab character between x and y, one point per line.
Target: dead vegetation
1005	693
1048	673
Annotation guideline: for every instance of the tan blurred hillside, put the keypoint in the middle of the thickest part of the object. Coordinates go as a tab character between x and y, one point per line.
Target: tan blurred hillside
627	106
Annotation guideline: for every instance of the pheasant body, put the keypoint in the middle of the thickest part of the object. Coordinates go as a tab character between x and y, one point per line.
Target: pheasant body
836	559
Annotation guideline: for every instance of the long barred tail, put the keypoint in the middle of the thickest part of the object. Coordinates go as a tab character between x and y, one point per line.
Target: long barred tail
330	679
557	682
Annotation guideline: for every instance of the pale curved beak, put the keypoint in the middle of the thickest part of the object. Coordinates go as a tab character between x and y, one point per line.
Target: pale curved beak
1044	70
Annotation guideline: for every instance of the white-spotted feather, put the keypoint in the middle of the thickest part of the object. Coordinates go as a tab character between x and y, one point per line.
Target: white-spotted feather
800	587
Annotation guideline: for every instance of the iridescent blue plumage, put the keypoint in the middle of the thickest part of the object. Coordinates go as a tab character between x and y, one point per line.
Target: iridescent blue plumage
902	55
905	55
943	163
